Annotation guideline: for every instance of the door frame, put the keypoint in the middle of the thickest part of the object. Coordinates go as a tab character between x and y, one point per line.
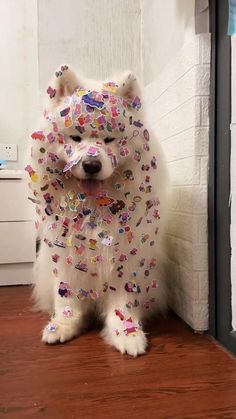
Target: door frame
219	215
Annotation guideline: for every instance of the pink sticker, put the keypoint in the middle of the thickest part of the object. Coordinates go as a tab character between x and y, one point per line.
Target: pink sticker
69	260
55	258
93	151
124	151
51	92
67	312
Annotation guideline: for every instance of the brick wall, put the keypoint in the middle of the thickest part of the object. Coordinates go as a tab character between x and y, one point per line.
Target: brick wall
178	104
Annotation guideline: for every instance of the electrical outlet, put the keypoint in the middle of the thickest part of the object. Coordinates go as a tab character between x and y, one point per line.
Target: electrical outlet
8	152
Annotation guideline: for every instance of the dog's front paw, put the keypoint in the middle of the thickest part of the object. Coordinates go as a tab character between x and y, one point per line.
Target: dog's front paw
59	332
133	344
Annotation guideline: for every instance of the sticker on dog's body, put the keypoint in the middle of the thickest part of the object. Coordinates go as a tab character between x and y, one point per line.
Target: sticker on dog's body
98	180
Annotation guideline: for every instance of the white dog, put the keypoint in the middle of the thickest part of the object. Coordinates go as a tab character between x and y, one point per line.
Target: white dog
98	181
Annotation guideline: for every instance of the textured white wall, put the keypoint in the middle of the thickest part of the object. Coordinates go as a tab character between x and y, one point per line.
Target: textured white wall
178	108
99	37
102	37
19	72
166	26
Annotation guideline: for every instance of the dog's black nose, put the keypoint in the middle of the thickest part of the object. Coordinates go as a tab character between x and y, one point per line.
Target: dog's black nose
91	166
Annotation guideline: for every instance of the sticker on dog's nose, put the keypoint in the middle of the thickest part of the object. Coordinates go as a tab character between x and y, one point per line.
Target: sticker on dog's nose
93	151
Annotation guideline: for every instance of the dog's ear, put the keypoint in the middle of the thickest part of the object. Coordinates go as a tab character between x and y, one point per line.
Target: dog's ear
129	87
63	84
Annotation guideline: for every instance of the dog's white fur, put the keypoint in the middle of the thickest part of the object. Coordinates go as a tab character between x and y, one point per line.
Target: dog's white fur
46	286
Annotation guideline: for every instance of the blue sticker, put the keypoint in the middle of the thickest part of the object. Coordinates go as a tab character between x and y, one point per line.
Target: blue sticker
89	100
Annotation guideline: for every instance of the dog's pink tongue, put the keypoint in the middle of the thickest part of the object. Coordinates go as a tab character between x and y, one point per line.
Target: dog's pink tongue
91	187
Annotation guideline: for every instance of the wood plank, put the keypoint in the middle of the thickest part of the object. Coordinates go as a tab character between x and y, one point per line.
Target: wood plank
182	376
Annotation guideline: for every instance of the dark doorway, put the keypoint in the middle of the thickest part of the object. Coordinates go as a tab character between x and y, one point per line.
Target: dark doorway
219	179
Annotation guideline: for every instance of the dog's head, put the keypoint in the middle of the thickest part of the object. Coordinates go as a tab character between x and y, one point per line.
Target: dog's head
92	132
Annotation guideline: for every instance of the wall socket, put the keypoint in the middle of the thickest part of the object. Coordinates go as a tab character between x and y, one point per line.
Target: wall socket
8	152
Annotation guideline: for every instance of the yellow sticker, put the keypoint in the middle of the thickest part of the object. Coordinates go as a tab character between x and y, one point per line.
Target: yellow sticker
81	92
68	122
35	177
69	241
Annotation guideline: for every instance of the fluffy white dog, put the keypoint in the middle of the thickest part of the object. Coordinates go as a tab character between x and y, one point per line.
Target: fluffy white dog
98	181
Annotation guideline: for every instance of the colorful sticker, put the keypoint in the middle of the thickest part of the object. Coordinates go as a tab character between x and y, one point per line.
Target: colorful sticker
67	312
119	217
64	289
52	327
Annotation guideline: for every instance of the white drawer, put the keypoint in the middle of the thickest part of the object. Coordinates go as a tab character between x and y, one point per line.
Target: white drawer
17	242
15	205
16	273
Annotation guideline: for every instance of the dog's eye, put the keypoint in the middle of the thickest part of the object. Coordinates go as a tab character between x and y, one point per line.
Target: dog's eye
76	138
108	140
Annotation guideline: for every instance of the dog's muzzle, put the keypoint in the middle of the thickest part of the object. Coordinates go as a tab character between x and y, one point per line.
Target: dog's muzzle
92	166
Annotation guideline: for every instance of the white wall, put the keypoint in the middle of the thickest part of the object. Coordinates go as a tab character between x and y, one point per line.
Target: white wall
166	26
99	37
176	72
19	72
178	107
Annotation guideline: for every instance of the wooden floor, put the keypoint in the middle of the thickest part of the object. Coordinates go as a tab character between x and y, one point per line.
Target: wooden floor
182	376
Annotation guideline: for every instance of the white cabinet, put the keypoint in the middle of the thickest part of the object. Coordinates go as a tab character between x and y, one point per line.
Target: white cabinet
17	231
